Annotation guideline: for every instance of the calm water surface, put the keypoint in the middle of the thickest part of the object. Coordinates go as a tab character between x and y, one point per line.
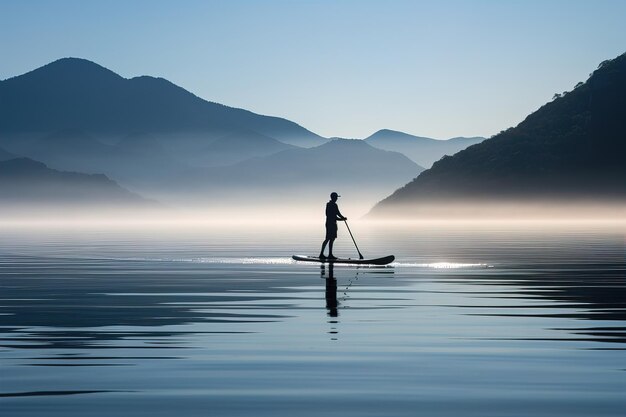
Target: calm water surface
470	321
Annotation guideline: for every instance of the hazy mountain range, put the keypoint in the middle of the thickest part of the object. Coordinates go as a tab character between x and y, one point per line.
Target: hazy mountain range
4	155
24	181
236	147
351	166
157	138
137	159
162	141
74	93
424	151
571	148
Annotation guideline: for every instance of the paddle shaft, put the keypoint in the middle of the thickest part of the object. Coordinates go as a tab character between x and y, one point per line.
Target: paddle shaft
355	245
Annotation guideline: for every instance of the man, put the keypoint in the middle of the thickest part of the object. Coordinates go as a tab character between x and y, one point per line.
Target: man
332	215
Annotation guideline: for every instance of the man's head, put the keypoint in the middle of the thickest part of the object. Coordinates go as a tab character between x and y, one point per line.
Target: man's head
334	196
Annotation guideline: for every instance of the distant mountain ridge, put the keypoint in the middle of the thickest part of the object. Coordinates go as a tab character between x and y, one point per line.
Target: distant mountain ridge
424	151
295	174
4	155
236	147
572	147
24	181
155	137
73	93
134	160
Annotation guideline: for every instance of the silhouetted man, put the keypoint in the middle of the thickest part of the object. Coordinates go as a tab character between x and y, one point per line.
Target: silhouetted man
332	215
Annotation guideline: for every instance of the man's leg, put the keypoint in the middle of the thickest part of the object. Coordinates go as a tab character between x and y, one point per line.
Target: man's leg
324	247
330	248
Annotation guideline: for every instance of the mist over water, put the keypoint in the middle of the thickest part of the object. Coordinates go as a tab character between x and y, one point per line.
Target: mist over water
509	319
274	210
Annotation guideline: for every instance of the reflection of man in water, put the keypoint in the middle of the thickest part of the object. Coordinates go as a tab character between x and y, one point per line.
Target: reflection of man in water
331	292
332	215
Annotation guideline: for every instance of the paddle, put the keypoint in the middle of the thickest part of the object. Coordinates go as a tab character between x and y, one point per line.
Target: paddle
355	245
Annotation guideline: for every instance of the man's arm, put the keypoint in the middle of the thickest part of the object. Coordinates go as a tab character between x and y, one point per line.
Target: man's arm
340	216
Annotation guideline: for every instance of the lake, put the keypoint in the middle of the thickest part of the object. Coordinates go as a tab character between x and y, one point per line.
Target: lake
471	320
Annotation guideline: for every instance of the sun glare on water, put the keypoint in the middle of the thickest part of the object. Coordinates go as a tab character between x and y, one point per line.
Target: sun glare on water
441	265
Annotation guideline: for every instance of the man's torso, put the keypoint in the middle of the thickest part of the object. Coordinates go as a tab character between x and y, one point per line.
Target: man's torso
332	210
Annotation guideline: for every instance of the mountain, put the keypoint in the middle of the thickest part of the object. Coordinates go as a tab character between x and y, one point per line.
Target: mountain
74	93
571	148
24	181
72	146
137	143
135	160
353	167
423	151
237	146
4	155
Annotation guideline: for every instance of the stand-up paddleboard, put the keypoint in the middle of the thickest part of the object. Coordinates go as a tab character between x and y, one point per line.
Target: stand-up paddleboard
375	261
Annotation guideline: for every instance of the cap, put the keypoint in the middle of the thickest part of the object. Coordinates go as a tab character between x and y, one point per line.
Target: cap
334	194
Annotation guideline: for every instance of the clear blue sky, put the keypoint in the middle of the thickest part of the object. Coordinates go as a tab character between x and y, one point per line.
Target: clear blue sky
339	68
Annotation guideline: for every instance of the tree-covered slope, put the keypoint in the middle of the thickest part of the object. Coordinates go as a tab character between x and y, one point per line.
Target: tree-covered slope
574	146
